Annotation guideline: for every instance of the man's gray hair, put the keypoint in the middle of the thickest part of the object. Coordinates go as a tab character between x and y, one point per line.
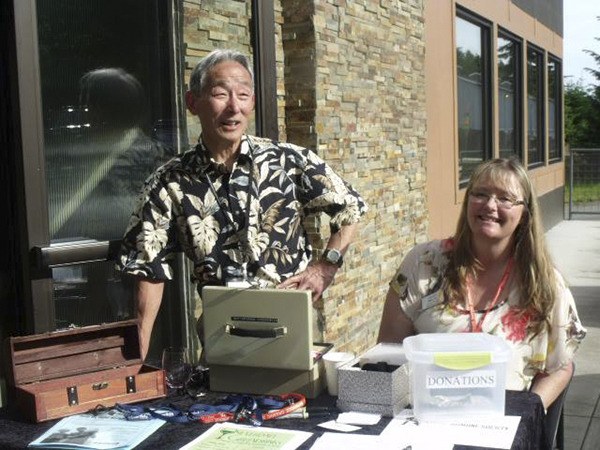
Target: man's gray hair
198	76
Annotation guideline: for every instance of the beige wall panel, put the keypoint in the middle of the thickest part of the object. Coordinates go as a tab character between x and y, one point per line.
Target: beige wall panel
442	201
488	9
546	179
506	15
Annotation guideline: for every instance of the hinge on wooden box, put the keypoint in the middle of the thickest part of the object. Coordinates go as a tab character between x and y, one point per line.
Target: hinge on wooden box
130	382
72	395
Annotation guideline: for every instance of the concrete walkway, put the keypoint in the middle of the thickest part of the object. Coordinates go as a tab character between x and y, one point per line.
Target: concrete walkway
575	247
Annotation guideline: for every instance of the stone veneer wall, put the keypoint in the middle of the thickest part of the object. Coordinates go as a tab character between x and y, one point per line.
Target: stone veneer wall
351	87
211	24
208	25
356	93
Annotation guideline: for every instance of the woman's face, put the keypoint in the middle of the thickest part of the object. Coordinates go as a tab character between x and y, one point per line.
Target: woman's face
495	209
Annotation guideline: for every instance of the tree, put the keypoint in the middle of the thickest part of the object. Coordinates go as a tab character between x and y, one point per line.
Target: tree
579	115
582	110
596	56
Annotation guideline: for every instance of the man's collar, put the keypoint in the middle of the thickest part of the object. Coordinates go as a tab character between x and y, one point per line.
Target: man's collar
207	162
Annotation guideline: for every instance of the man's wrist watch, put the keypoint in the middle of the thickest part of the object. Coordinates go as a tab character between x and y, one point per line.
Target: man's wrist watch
333	256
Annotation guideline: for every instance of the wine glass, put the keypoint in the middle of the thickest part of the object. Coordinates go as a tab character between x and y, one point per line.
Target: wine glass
176	365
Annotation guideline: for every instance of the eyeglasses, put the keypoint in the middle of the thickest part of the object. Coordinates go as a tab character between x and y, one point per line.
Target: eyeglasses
482	198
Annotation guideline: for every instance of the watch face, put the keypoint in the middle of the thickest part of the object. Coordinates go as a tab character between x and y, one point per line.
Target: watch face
333	256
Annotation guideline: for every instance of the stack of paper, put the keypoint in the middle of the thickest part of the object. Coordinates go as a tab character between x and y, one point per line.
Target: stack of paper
89	432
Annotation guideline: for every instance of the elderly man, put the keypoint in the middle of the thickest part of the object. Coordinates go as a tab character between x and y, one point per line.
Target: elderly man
235	204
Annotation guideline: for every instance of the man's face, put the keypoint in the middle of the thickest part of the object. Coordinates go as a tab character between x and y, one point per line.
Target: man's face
224	106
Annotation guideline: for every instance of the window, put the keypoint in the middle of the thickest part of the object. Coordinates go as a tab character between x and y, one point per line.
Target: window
107	111
509	96
107	89
107	77
474	92
535	107
554	109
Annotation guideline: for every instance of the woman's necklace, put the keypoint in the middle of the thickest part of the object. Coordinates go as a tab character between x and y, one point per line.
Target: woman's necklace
476	327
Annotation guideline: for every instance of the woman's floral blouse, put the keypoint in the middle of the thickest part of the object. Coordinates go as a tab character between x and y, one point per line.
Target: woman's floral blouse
418	280
221	220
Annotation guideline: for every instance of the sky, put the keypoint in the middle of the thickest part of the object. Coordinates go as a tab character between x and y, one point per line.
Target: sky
581	26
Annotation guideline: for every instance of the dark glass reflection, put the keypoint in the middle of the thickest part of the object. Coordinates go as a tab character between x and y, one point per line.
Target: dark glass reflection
93	293
535	145
508	76
554	119
108	122
470	68
106	105
98	160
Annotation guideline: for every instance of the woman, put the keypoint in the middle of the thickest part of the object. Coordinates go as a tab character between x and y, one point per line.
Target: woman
494	276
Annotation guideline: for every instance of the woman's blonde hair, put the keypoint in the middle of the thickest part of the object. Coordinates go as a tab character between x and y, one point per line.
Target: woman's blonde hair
533	264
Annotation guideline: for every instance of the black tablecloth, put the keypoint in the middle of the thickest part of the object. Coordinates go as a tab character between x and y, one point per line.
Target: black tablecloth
16	434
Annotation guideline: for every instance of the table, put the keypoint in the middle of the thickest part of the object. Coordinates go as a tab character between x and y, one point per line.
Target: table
16	434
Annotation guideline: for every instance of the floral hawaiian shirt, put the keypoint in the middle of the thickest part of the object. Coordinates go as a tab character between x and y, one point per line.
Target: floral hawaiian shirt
251	217
418	283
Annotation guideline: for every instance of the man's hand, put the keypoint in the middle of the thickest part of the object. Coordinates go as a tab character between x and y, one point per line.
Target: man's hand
319	274
316	278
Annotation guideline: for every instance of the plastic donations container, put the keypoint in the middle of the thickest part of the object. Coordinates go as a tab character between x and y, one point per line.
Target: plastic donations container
457	374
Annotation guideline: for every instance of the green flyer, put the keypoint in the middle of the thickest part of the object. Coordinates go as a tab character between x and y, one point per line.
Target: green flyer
223	436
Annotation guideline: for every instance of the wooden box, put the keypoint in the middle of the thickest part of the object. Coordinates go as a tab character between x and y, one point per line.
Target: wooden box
61	373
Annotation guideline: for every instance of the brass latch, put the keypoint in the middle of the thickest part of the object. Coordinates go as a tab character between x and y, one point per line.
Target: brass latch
72	395
130	382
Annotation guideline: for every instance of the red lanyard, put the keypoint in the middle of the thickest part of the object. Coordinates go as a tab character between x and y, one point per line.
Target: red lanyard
293	402
476	327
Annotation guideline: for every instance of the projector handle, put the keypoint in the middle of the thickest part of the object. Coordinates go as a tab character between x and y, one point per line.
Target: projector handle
256	333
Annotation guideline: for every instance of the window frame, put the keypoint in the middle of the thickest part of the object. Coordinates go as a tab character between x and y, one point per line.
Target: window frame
518	91
558	118
38	258
265	68
38	255
541	116
487	83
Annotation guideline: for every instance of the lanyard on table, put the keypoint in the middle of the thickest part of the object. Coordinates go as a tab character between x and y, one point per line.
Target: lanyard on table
236	408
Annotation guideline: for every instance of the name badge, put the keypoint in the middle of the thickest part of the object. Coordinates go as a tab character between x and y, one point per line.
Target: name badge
433	299
241	284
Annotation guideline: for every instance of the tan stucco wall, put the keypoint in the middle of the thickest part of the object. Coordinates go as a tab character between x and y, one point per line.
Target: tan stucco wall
444	196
